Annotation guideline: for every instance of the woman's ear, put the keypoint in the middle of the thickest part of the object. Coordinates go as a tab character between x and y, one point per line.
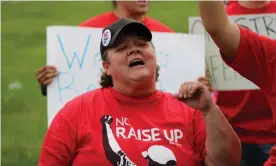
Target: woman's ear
105	65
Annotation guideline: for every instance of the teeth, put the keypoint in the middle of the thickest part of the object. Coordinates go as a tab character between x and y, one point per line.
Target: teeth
136	60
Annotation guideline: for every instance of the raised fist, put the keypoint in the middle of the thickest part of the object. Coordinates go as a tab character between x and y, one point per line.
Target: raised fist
195	95
106	119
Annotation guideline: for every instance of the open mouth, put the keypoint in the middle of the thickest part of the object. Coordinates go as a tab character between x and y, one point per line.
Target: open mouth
136	62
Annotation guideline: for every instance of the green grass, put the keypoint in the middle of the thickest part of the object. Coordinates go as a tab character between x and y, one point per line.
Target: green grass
24	121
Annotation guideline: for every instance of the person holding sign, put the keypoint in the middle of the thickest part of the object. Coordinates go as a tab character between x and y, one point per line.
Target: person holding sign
129	122
246	109
136	10
250	54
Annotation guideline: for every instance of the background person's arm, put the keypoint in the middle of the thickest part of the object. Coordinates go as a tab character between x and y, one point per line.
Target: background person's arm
225	33
250	54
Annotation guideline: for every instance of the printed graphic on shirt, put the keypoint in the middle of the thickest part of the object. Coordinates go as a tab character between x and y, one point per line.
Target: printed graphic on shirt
156	155
112	150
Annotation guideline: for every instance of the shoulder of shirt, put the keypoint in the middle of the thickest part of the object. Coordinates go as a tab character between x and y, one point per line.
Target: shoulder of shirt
75	109
99	21
231	6
273	3
78	103
156	26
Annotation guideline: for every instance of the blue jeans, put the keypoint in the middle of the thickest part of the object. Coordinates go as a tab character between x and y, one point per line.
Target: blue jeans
255	155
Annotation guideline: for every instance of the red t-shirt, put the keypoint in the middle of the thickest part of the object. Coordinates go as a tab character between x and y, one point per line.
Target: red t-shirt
234	8
259	54
105	127
247	109
104	20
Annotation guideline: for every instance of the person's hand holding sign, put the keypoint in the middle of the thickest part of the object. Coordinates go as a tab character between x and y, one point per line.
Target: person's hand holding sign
197	96
205	80
46	74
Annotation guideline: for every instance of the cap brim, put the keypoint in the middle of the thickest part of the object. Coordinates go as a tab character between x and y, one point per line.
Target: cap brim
135	27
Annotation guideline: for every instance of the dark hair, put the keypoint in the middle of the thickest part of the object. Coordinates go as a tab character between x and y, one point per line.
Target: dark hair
106	80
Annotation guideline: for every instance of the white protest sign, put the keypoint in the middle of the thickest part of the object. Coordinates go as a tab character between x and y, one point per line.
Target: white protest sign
222	76
75	53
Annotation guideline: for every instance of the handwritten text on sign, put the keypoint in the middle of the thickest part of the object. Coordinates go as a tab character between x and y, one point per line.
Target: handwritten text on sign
75	53
222	76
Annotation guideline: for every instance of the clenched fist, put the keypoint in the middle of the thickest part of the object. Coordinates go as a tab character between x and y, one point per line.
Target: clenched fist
106	119
196	95
46	74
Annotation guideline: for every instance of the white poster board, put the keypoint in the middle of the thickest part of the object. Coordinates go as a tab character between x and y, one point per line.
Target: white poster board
222	76
75	53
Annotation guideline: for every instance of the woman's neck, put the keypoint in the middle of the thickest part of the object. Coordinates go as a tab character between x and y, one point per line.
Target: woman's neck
136	89
254	4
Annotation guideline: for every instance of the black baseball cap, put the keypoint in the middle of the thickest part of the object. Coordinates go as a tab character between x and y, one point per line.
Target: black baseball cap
110	34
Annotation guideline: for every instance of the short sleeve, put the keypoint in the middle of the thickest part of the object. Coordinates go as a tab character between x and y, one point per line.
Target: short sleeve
255	59
199	134
59	146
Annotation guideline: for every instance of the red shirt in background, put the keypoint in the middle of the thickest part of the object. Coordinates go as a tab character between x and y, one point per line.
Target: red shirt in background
105	127
259	55
248	111
234	8
104	20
